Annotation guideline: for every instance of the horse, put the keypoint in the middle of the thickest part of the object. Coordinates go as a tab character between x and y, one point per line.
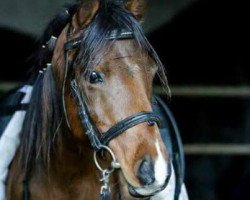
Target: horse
90	131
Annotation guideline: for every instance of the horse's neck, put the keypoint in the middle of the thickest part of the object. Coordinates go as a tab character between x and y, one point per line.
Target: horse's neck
71	170
72	174
73	157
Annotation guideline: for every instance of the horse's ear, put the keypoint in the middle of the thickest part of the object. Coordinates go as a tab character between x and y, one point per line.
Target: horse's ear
85	13
137	8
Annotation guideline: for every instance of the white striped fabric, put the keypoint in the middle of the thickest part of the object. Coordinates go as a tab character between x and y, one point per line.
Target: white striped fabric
10	140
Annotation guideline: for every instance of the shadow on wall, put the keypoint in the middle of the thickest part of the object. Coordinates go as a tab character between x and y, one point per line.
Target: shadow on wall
16	51
206	44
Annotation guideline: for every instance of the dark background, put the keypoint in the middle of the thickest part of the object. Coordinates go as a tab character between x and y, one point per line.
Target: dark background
206	43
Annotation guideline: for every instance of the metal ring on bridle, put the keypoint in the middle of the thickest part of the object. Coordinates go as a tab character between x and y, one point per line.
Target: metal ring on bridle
114	164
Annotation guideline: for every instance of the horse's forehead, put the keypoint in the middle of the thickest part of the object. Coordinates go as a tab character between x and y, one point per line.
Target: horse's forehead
125	46
126	49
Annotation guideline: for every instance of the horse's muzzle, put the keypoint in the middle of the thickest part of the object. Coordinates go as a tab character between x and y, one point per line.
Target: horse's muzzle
150	187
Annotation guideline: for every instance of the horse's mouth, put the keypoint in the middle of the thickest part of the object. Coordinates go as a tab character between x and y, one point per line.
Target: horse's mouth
133	193
147	191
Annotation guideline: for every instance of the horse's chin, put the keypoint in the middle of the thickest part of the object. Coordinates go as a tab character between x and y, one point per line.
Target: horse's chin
134	193
146	191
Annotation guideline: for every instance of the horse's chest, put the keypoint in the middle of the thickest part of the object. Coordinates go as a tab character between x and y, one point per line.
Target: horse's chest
64	189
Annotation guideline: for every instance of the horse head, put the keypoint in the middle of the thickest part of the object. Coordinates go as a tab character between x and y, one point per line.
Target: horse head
105	67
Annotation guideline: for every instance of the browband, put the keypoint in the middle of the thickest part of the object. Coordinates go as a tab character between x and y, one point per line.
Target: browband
120	34
116	34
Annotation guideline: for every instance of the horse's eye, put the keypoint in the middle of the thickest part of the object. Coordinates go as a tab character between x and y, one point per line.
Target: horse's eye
95	77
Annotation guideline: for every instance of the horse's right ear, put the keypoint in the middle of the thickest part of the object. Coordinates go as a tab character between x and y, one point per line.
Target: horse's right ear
85	13
137	8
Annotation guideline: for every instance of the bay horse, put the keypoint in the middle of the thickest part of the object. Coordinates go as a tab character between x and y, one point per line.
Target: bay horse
90	131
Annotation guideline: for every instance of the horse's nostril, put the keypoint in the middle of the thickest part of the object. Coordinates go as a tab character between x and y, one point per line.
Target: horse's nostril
146	172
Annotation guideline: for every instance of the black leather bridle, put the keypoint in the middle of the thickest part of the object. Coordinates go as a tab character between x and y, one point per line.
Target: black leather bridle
99	140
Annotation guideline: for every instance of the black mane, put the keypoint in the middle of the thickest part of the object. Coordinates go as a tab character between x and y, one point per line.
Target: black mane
38	133
112	16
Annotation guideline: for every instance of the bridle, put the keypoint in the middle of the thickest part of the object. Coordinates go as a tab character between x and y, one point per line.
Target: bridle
97	139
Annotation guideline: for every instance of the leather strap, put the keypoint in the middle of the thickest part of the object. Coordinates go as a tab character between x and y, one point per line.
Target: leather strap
105	195
127	123
116	34
26	192
72	44
91	131
119	34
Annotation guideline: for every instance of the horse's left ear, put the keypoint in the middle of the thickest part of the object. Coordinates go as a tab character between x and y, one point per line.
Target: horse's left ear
137	8
85	13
